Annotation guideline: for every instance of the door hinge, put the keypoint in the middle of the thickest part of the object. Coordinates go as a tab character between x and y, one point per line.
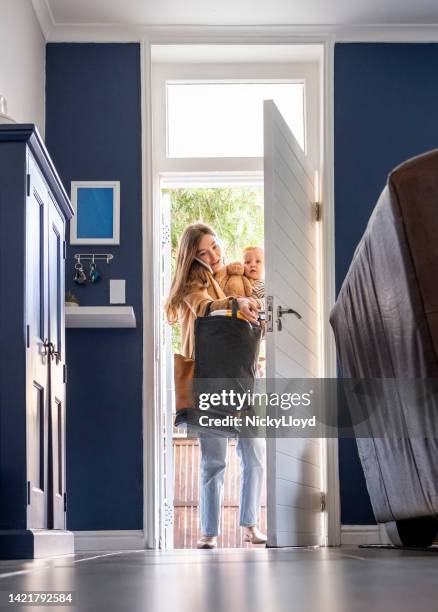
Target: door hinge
28	336
28	492
168	514
323	501
318	211
64	373
165	235
65	501
28	184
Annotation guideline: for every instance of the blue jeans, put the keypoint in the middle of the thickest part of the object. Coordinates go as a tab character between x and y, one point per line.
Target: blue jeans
214	452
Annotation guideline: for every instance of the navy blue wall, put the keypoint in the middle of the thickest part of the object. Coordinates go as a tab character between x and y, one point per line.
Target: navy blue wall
386	110
93	132
386	97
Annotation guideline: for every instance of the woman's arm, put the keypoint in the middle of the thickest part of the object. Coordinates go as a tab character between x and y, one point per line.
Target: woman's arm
220	304
198	300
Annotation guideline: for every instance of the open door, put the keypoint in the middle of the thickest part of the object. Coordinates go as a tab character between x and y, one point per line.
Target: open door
292	347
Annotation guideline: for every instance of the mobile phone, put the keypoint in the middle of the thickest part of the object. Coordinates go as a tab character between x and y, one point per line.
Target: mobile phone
204	264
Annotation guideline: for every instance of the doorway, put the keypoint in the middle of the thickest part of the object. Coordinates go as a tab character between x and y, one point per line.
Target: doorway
176	169
236	212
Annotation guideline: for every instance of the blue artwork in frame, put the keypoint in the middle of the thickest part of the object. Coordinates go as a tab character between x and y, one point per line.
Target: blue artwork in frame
97	212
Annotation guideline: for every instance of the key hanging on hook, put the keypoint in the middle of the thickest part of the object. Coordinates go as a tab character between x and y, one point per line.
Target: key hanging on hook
94	272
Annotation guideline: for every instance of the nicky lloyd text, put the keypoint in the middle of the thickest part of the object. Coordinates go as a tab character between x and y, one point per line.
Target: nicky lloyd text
257	421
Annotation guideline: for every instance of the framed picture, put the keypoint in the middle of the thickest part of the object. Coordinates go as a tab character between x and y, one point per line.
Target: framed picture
97	212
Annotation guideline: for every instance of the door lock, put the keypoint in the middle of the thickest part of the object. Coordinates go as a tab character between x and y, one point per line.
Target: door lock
282	311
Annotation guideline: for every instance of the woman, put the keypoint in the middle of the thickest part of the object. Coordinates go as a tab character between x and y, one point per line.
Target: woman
193	288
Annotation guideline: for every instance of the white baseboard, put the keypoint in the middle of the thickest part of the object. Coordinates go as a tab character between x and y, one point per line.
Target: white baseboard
353	535
109	540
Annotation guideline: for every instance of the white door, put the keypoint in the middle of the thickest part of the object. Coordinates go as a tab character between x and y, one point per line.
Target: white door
292	347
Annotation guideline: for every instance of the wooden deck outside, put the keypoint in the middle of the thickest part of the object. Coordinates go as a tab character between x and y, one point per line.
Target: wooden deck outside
186	497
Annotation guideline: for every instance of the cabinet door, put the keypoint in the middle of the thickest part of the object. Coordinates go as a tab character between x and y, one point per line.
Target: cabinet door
57	365
37	391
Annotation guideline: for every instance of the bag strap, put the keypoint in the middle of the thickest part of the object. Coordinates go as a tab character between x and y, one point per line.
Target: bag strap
207	310
234	307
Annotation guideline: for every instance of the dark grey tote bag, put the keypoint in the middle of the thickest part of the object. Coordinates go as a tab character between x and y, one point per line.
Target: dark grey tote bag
226	354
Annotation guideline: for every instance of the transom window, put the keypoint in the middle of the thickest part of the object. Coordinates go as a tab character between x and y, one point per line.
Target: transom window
225	118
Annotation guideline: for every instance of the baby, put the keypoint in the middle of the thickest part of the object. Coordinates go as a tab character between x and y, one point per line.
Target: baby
244	280
254	263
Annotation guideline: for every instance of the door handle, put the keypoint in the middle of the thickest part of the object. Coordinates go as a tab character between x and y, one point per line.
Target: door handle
50	351
50	347
282	311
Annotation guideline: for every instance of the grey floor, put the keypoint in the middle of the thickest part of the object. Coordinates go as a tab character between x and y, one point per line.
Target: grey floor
233	580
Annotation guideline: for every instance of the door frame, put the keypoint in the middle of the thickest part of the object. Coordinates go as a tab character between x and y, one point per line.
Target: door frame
150	247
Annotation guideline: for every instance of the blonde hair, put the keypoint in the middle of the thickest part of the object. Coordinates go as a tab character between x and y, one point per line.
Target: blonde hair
187	270
252	248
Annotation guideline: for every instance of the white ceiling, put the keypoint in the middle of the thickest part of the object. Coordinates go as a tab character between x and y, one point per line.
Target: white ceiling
243	12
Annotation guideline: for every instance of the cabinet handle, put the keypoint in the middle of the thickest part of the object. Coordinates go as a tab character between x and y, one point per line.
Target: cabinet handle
50	348
50	351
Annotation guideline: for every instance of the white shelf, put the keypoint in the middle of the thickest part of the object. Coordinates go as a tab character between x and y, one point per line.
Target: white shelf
100	316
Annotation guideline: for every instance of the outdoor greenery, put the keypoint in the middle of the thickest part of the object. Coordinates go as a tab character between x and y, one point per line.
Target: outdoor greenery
235	213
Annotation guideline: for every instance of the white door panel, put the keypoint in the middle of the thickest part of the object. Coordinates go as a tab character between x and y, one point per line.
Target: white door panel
304	292
296	520
287	364
290	171
284	197
299	260
296	470
296	495
300	450
302	354
293	464
304	250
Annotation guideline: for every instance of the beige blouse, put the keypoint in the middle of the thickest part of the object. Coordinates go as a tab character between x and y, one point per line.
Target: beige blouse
195	303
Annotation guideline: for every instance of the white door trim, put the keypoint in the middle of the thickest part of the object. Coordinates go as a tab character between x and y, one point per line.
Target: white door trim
179	180
150	401
333	504
104	540
286	72
150	219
